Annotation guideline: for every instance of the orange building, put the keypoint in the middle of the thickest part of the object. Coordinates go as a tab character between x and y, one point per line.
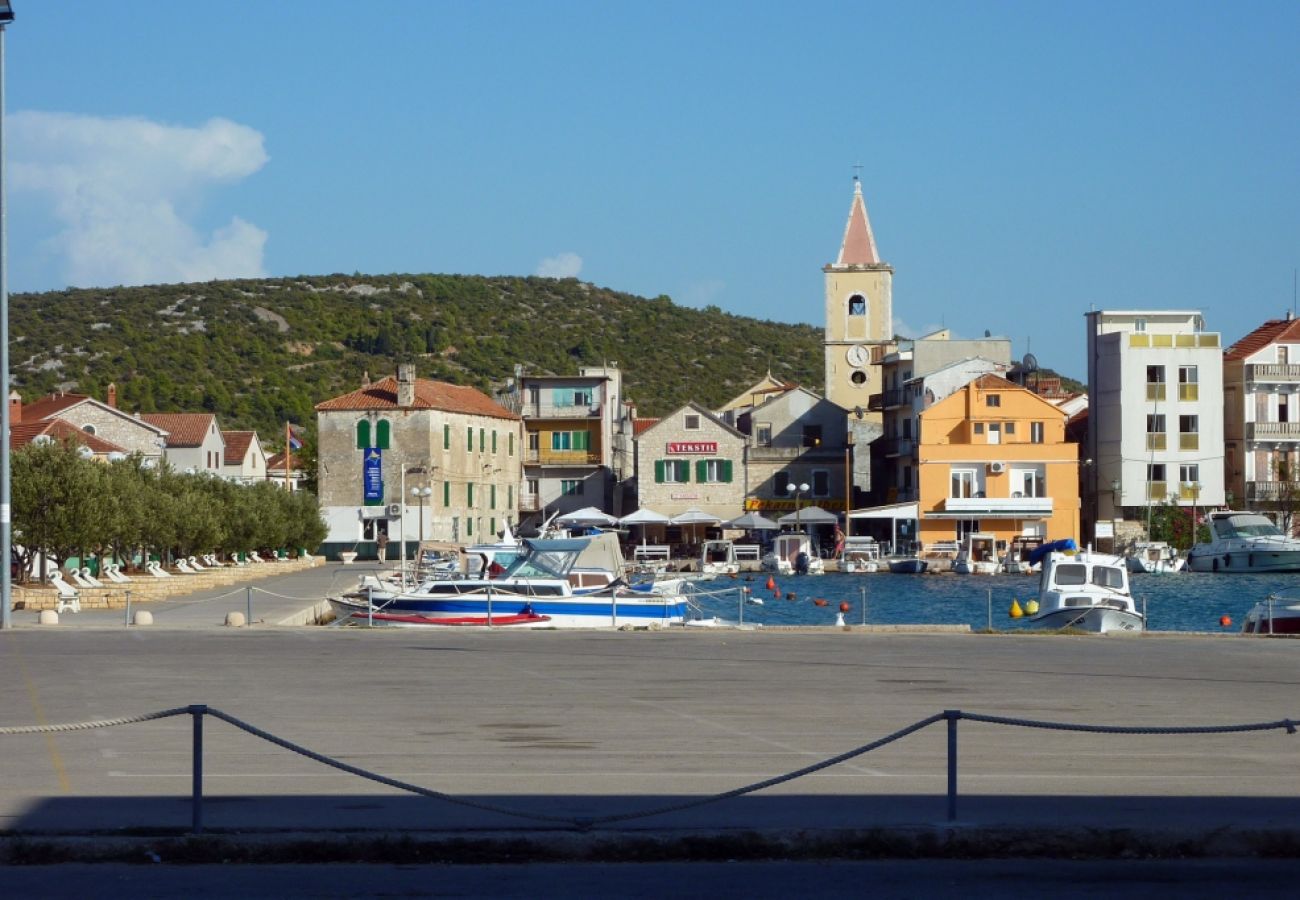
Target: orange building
994	462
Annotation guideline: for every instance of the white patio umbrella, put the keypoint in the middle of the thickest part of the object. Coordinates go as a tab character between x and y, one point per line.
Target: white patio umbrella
644	517
752	521
695	516
809	515
588	515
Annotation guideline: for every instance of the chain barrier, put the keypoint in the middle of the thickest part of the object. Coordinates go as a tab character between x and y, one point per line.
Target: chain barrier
585	823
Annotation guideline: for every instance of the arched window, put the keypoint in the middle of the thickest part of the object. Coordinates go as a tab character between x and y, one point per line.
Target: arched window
857	305
382	431
89	429
363	434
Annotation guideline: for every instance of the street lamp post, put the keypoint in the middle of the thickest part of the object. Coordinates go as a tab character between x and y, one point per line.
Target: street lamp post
420	493
6	518
798	490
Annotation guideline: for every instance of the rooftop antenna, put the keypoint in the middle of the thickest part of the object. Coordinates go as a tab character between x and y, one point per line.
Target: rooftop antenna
857	171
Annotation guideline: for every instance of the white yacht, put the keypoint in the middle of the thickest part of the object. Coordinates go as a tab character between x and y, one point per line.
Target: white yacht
1244	542
1083	591
1154	558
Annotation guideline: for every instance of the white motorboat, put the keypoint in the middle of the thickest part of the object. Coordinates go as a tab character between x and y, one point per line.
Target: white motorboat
1244	542
1154	558
860	554
978	555
907	565
1277	614
718	558
1083	591
792	554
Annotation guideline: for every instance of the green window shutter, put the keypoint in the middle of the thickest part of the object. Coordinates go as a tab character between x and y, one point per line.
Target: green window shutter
383	434
482	439
469	439
512	445
581	440
446	437
726	471
446	493
469	526
492	499
659	471
510	496
701	470
363	434
492	525
494	446
469	494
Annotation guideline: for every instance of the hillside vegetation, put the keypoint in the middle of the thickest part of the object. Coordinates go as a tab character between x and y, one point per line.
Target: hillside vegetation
258	352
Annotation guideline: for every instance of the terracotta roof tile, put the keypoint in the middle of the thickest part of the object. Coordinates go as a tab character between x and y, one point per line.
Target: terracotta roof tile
429	394
639	426
23	433
1271	332
183	429
237	443
51	405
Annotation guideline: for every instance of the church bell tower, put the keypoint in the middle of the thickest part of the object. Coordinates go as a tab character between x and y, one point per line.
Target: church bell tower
859	317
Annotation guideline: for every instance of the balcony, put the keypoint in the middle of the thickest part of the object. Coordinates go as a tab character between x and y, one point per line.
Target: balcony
1273	491
994	508
1273	431
895	398
1156	441
1155	391
554	411
1194	339
897	446
1273	373
561	458
1189	490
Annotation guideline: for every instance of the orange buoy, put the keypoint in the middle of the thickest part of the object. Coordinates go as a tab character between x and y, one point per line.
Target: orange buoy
819	602
1225	621
845	606
771	583
776	594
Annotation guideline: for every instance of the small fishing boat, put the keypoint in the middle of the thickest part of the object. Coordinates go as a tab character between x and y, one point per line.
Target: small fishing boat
860	554
1154	558
718	558
978	555
907	565
1083	591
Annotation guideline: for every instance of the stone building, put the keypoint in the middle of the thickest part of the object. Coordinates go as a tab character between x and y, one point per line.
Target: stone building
691	458
104	420
461	451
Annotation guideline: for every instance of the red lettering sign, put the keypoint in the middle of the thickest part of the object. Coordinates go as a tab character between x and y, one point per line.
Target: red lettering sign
692	446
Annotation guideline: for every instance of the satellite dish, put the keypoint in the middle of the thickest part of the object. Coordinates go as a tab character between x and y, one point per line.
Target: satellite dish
1029	363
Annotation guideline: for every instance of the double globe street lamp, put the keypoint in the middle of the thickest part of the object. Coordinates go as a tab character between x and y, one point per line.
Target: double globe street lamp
798	490
419	493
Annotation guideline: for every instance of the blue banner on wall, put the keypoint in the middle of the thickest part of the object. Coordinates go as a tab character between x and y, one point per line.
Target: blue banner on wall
372	477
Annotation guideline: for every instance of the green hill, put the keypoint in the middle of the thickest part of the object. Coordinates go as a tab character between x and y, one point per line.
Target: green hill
258	352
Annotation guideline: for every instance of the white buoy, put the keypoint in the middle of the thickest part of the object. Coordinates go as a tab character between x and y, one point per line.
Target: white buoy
49	617
235	619
839	620
143	617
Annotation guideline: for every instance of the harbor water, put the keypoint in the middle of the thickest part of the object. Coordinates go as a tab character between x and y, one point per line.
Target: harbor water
1186	601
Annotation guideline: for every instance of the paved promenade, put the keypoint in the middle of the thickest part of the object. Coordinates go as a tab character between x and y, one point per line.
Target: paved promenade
587	724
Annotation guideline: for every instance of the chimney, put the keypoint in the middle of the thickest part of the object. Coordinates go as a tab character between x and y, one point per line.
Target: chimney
112	395
15	408
406	385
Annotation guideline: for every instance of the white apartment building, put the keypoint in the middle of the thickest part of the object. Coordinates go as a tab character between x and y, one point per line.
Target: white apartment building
1155	389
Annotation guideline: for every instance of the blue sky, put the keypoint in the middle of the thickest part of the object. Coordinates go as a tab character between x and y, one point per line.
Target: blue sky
1021	161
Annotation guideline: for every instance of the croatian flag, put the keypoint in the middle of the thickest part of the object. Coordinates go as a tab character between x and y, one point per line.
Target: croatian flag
295	442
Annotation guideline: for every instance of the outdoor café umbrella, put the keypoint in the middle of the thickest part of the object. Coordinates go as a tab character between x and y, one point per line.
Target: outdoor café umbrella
644	517
752	521
695	516
809	515
588	515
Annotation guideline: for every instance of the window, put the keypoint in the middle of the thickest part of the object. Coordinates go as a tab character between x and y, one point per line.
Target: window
780	483
672	471
692	422
857	305
993	399
382	432
570	487
1283	408
469	494
812	435
1189	473
1188	438
995	433
482	439
1187	383
1139	324
1035	432
510	498
534	442
821	483
89	429
570	440
1155	471
963	483
1156	487
469	439
469	526
446	437
979	427
713	471
1009	428
763	434
363	434
494	442
1155	382
1156	431
510	442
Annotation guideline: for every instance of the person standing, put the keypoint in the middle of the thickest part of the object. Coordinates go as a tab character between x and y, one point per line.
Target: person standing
382	542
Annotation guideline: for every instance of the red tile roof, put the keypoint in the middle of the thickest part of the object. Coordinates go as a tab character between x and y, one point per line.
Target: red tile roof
859	246
23	433
237	443
183	429
639	426
429	394
51	405
1274	331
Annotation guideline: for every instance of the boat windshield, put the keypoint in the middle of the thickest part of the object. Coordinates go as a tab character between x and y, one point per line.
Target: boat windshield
543	563
1250	526
1071	573
1108	577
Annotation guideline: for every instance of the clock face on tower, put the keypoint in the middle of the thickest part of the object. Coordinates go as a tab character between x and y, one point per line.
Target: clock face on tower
857	355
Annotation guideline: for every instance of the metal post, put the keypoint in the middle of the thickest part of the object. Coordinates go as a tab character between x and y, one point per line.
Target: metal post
196	783
990	610
864	605
613	605
128	607
489	599
370	605
1144	613
952	715
740	607
1270	615
248	604
6	523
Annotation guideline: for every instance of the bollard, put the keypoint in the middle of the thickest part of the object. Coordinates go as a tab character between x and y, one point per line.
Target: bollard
952	715
128	607
196	782
248	602
370	605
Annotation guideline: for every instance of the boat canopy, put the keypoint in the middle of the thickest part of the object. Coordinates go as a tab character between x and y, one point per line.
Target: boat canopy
1064	545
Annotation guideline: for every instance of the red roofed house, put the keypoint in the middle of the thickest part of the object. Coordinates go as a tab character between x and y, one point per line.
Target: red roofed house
378	443
1261	417
194	441
128	433
245	460
50	430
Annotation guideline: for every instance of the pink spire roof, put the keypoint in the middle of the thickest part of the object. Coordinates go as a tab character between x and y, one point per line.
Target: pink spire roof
859	247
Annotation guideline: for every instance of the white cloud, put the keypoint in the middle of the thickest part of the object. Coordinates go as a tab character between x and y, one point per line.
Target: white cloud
123	191
563	265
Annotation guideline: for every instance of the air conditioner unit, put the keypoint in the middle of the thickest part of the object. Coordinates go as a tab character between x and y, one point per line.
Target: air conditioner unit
997	468
395	509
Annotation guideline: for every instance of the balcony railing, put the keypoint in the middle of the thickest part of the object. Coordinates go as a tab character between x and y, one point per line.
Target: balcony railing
1157	490
897	446
1189	442
1195	339
1273	431
999	507
561	458
553	411
1156	441
1273	491
1155	391
1273	372
1189	391
895	398
529	502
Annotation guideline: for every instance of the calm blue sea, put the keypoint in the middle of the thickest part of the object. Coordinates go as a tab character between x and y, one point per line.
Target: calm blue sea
1186	601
